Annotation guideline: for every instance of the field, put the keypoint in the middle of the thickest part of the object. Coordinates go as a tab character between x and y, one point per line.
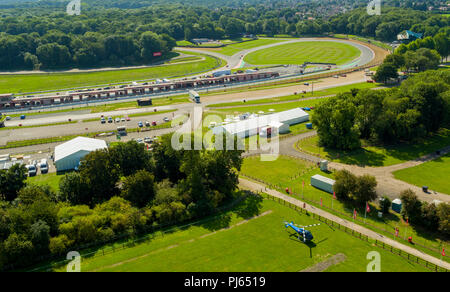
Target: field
299	96
236	48
379	155
287	172
434	174
240	240
53	81
299	53
50	179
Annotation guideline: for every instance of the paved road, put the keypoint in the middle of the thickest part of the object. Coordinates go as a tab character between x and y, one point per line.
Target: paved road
246	184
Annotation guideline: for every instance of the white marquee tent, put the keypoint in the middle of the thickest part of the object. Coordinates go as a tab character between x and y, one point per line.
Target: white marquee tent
69	154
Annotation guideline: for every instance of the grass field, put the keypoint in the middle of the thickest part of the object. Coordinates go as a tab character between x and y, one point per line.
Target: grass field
287	172
299	96
299	53
53	81
434	174
50	179
379	155
229	243
236	48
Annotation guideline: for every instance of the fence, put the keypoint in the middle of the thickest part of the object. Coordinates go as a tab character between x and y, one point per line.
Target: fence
304	197
354	233
92	250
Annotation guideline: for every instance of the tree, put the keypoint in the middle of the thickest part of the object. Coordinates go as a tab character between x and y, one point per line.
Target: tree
443	212
385	205
411	206
11	181
139	188
100	174
365	189
130	157
40	237
150	44
442	44
74	189
335	122
385	72
16	250
430	218
345	184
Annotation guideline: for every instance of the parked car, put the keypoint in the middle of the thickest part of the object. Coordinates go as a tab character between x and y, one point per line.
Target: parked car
140	124
8	118
148	140
166	119
32	170
102	120
44	166
110	120
23	117
117	120
123	120
147	124
127	119
140	141
154	123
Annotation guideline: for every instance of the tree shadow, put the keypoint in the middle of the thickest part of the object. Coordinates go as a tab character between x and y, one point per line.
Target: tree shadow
250	207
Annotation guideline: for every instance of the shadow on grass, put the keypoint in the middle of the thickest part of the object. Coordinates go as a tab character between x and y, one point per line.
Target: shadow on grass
250	207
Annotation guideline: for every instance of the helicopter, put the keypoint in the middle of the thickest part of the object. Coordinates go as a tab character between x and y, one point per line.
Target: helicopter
301	230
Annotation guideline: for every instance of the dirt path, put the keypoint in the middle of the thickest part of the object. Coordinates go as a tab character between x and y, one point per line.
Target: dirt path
246	184
322	266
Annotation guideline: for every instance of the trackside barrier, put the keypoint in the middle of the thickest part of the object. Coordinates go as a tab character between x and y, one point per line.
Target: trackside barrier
356	234
153	231
304	198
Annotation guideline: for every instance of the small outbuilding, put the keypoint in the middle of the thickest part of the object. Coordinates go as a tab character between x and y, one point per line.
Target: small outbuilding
397	205
68	155
323	183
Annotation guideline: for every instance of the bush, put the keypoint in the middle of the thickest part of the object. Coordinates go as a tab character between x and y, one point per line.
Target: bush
385	205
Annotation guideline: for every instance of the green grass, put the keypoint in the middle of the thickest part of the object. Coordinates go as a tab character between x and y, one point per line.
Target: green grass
262	244
50	179
434	174
52	81
287	172
236	48
379	155
299	53
365	40
266	107
319	93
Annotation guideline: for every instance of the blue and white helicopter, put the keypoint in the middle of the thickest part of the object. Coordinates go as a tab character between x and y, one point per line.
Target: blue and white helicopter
301	231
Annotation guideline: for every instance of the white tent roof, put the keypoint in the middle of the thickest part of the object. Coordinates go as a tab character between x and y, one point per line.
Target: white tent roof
78	144
264	121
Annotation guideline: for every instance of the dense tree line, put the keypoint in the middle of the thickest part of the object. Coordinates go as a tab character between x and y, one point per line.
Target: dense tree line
49	38
119	192
433	217
417	56
419	107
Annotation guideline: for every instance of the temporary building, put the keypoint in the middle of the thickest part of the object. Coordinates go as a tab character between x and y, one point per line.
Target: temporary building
253	126
274	129
397	205
69	154
322	183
